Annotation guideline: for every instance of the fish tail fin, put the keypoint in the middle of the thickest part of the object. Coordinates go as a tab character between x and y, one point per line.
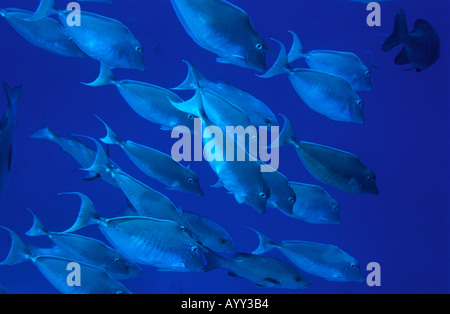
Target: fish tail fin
287	136
192	106
46	8
214	260
193	79
45	134
13	95
265	244
19	251
105	77
111	137
37	229
399	33
87	215
297	51
280	66
101	162
2	12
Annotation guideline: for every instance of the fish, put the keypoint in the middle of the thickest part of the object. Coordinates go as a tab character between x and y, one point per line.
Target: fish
257	112
145	200
322	260
79	151
326	94
3	290
151	102
340	169
102	38
314	205
46	33
266	272
157	165
421	47
163	244
282	196
210	234
54	268
8	122
223	29
90	251
344	64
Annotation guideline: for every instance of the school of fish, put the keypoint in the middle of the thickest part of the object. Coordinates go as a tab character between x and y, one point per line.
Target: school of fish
153	230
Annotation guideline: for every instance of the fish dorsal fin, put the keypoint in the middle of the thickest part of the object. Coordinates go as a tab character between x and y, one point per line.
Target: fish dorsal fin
422	26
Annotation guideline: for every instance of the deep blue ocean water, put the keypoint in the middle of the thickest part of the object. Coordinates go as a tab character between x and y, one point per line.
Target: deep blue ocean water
405	140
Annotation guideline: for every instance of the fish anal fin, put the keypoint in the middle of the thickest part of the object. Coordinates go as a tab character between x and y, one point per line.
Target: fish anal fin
402	57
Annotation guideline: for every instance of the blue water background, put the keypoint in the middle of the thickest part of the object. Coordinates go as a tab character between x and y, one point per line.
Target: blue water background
405	140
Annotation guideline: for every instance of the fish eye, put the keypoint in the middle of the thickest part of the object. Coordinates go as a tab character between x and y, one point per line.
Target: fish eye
268	121
335	207
116	260
223	241
367	73
191	116
353	266
371	178
291	200
194	249
359	102
259	46
262	194
182	228
190	180
297	279
70	39
119	292
138	49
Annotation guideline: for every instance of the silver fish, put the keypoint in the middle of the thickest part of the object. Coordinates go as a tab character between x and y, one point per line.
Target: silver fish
322	260
329	95
314	205
82	153
160	243
331	166
104	39
8	134
54	268
151	102
46	33
90	251
210	234
263	271
157	165
258	113
344	64
224	29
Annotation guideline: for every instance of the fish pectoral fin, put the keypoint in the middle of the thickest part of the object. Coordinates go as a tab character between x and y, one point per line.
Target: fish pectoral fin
219	184
223	60
239	198
273	281
233	274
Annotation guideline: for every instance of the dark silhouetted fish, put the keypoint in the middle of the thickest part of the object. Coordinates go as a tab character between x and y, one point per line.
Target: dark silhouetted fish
421	47
7	134
46	33
224	29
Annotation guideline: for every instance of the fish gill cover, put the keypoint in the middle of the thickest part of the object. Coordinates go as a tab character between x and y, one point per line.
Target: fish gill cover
342	186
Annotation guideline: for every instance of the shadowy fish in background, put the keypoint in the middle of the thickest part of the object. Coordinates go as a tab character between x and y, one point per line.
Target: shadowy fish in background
327	94
224	29
3	290
8	124
88	250
164	244
46	33
421	47
282	196
263	271
151	102
101	38
157	165
344	64
331	166
322	260
258	113
314	205
54	268
82	153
